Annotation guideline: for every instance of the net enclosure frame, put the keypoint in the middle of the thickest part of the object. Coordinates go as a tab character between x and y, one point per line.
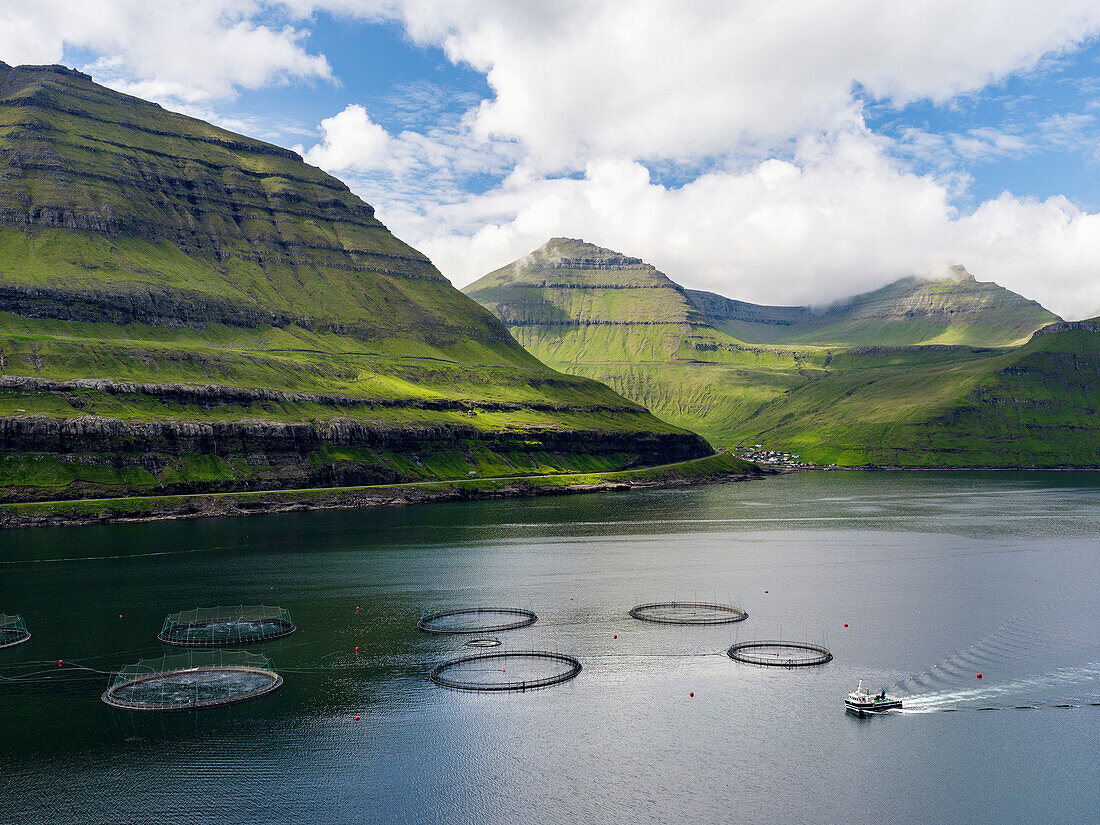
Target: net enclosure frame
571	671
13	631
148	671
740	652
178	625
523	618
483	643
645	613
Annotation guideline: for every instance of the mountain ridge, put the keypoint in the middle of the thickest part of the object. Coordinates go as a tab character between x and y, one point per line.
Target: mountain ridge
958	310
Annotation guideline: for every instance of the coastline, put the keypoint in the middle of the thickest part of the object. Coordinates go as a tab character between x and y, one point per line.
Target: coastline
66	513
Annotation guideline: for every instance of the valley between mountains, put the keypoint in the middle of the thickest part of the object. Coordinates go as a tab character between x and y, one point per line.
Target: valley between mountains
950	373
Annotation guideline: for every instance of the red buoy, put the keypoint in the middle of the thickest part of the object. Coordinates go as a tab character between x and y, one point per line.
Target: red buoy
356	718
59	663
120	615
691	695
357	610
979	676
356	650
845	624
765	591
616	636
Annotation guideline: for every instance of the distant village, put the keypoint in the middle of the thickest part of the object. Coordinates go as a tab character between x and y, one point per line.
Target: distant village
775	458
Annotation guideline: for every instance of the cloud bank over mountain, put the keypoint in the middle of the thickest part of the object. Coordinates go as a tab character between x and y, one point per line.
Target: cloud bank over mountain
731	144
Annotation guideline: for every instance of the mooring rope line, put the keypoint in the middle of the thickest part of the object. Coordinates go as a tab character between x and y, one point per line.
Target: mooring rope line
66	667
119	556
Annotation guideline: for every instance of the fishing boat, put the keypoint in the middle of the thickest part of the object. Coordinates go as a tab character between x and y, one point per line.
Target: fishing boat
859	701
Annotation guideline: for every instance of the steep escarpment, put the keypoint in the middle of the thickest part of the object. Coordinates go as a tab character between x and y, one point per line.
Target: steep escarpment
182	307
112	208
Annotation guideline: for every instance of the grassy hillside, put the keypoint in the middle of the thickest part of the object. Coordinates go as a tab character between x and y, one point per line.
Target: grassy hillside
1037	405
142	249
897	390
956	310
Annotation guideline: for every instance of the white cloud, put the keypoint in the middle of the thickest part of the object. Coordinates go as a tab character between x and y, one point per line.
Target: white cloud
652	79
840	218
352	141
175	51
788	197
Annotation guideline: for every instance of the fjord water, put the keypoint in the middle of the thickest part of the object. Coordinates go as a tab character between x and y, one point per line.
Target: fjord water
937	575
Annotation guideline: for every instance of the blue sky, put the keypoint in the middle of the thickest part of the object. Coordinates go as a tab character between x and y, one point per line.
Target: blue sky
1052	113
785	152
1048	116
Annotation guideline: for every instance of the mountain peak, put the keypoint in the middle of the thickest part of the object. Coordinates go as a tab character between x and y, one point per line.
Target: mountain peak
959	274
574	253
568	281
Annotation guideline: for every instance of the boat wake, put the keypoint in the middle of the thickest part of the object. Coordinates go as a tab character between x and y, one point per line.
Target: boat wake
1041	690
1024	668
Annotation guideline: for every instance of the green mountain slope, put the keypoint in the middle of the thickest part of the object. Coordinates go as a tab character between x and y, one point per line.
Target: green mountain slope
956	310
182	307
569	299
1036	405
893	394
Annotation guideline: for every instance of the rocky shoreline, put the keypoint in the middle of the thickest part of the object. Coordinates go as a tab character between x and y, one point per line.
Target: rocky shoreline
159	508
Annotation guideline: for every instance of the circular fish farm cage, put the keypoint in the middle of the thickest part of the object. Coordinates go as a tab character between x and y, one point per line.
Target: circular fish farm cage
518	670
477	620
192	680
483	643
12	631
688	613
226	626
780	653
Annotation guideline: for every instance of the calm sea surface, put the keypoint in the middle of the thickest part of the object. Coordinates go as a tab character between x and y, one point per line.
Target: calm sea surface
938	577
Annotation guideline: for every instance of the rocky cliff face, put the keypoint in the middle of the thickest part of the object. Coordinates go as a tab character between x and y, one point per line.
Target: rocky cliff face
95	455
718	309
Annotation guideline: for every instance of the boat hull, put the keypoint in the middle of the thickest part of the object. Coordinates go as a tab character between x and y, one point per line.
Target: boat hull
862	708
